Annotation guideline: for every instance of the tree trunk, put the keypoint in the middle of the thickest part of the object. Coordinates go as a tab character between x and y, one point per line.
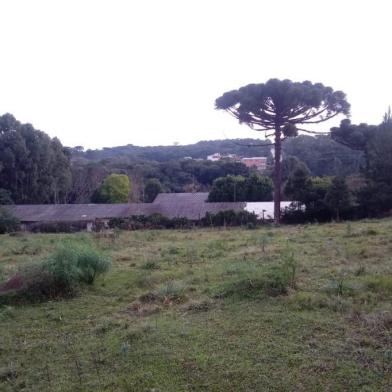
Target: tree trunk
277	175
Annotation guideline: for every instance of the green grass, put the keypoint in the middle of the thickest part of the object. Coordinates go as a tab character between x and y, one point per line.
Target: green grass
193	311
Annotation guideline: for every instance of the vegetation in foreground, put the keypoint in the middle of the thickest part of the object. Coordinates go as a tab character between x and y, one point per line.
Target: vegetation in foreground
292	308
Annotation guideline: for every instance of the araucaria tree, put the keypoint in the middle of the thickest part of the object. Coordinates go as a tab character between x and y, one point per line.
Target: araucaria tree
280	108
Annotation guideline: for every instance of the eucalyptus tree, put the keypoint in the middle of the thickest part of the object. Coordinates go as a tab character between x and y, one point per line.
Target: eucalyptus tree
282	108
34	168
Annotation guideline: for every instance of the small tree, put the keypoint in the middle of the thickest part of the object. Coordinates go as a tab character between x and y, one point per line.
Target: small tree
115	189
152	188
5	197
299	185
279	108
8	222
228	189
289	165
258	188
337	197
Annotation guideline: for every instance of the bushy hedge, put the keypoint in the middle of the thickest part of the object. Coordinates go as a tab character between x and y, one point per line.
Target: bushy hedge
319	214
230	218
60	275
154	221
57	227
157	221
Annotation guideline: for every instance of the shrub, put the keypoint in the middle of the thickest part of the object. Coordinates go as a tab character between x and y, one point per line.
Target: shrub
57	227
40	283
8	222
91	263
60	275
154	221
158	221
62	265
229	218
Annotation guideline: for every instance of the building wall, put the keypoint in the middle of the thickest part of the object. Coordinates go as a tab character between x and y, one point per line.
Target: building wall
260	163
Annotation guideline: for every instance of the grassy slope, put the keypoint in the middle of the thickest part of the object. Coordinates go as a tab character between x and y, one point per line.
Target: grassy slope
332	332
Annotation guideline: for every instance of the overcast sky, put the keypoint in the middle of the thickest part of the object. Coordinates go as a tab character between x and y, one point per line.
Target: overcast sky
105	73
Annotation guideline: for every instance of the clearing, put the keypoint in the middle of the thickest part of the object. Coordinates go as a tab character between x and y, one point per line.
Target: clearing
304	308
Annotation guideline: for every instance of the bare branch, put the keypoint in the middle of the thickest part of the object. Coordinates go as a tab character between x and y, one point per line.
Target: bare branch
312	132
321	120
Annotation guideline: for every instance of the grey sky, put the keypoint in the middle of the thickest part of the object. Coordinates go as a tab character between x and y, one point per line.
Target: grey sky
104	73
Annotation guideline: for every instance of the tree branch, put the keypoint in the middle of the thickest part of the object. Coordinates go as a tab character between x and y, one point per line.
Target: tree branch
312	132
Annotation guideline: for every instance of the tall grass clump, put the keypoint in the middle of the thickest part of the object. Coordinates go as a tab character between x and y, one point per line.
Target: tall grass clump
173	291
264	280
61	274
70	265
91	264
380	284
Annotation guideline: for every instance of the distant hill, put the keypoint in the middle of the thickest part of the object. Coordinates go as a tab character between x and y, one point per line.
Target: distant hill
321	154
200	150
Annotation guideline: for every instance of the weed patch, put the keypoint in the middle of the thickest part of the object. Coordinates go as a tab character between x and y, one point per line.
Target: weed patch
270	281
380	284
316	301
150	265
60	275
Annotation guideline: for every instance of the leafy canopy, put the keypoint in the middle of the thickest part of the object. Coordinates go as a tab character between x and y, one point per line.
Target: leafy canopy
338	197
283	103
238	188
33	167
115	189
8	222
151	190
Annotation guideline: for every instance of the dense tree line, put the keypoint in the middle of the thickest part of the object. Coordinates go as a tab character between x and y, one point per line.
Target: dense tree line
33	167
324	156
238	188
321	154
345	175
375	197
149	177
326	198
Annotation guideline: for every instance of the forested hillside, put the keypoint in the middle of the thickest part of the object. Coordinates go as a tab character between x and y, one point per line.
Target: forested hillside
200	150
321	154
172	172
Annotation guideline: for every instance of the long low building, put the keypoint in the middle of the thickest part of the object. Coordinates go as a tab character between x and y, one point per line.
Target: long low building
193	206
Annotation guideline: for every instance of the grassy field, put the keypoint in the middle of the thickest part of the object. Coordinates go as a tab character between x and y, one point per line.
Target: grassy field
206	310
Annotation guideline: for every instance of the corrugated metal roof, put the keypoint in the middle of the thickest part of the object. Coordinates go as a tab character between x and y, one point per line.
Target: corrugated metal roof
181	205
188	197
78	212
172	205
